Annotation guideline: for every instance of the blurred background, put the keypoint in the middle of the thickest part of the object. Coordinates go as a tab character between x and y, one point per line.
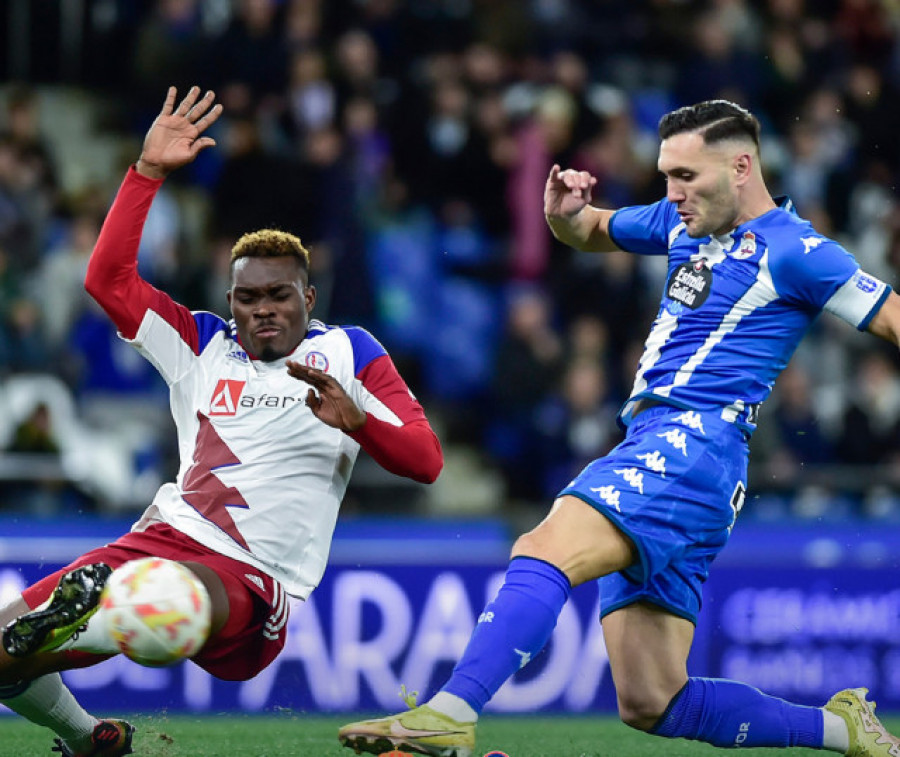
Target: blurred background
407	143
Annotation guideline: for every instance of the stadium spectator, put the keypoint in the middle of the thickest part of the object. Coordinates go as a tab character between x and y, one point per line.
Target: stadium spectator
832	66
575	425
747	277
870	429
792	435
62	272
284	401
528	361
170	46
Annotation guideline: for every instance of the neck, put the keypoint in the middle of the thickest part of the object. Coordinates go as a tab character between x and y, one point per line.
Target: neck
756	202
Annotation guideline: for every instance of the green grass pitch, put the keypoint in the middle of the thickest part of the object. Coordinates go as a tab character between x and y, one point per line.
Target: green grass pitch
297	735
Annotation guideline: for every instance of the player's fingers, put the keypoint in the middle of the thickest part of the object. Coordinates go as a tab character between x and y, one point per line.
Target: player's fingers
554	173
209	118
576	179
169	103
313	400
312	376
200	108
202	144
188	102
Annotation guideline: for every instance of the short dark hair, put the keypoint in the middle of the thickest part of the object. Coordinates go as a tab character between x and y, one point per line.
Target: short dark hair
270	243
715	120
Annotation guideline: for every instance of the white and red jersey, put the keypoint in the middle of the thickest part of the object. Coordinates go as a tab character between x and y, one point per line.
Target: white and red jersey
261	478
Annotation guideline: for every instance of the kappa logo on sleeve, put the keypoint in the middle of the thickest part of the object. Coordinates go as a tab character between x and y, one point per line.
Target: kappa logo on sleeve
810	243
225	397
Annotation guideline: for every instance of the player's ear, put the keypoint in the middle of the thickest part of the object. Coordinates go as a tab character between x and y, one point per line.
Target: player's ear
309	297
742	167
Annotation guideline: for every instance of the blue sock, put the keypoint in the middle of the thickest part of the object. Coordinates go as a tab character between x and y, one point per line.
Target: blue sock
511	630
731	714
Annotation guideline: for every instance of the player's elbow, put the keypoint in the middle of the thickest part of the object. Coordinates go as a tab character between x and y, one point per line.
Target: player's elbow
431	466
92	285
96	284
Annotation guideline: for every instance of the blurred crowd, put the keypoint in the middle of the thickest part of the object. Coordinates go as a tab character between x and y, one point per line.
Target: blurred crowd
407	143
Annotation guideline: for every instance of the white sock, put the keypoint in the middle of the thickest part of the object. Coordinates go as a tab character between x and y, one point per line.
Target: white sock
835	735
452	706
95	638
49	703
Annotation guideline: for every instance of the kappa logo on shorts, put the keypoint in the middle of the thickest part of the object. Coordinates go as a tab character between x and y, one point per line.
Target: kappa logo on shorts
676	438
608	494
633	477
691	419
225	397
654	461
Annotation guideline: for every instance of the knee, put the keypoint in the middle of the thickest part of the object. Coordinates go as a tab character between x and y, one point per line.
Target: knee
641	709
530	544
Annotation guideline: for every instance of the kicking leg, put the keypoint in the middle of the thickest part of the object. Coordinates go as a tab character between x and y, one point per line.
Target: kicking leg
648	651
574	544
32	687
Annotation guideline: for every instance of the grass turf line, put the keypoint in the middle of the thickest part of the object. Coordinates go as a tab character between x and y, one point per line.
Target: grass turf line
297	735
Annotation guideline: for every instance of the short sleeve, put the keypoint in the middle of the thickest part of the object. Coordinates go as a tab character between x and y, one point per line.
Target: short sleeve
825	276
366	347
644	229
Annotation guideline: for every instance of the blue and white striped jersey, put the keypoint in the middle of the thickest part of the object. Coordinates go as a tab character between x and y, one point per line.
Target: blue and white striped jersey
735	306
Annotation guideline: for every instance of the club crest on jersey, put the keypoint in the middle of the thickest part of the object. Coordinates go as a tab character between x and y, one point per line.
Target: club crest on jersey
316	360
746	247
690	284
225	397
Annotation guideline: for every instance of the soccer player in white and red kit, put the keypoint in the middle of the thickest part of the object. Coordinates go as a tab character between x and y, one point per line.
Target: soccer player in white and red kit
271	410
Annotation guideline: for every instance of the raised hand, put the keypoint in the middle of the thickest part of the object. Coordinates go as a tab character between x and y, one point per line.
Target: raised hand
332	405
567	192
174	139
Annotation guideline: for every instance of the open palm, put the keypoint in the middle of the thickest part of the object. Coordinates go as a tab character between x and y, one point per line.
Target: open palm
175	137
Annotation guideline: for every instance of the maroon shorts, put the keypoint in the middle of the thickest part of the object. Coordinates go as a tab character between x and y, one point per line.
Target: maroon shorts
255	631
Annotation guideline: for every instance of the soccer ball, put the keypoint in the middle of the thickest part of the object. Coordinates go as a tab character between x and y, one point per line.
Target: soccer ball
157	611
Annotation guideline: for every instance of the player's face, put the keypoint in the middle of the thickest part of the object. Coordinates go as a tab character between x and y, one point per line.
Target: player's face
270	301
699	182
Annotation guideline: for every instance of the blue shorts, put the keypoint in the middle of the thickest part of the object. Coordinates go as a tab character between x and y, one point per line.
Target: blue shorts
674	487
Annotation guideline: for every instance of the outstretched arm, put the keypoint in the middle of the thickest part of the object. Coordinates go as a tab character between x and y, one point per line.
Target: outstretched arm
571	217
112	277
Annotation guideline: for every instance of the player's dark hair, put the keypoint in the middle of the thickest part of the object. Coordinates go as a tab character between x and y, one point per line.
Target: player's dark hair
270	243
715	120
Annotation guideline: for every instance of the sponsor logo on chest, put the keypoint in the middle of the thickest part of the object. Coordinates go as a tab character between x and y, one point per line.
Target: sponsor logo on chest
229	396
690	284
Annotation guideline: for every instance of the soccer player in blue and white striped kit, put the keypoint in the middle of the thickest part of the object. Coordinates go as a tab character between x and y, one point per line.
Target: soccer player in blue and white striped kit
746	279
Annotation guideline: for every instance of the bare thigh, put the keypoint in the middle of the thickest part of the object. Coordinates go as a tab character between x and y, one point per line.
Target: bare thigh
579	540
648	650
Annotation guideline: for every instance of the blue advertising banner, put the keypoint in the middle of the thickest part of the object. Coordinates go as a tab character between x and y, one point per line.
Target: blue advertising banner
789	612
